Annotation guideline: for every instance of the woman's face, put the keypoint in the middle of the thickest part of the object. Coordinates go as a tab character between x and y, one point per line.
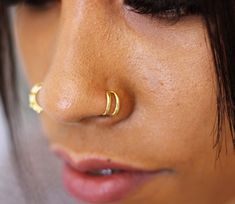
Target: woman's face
164	76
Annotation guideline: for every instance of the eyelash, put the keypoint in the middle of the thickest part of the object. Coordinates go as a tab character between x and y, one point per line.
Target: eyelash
170	10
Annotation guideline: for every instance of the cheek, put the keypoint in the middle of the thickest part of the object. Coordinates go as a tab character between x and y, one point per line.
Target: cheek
180	103
36	36
185	113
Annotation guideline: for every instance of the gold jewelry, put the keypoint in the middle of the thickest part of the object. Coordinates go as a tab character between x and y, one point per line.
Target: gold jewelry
33	98
36	107
108	104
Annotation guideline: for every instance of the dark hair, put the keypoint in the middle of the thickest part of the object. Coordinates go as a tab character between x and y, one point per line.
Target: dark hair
219	18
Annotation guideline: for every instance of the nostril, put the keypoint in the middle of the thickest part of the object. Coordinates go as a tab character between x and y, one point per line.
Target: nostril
101	107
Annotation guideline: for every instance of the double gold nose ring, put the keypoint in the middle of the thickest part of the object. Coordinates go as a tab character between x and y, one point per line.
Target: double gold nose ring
107	111
36	107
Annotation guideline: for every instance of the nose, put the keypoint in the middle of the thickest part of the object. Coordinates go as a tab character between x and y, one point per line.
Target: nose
88	61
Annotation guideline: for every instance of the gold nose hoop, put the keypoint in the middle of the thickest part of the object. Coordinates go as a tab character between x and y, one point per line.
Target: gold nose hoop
33	98
36	107
107	111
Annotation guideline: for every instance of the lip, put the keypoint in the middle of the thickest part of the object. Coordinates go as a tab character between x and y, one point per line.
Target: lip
101	189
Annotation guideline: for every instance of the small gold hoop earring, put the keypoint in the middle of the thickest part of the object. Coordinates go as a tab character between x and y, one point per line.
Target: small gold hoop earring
109	102
33	98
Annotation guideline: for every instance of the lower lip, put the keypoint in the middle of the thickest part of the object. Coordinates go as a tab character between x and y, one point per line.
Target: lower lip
102	189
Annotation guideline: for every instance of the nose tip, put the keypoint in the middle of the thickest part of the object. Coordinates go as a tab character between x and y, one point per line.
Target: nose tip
70	106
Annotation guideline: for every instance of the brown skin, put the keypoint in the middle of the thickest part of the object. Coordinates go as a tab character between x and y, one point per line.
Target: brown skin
164	77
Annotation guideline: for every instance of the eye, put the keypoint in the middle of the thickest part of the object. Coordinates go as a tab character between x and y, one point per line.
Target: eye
171	10
40	4
35	4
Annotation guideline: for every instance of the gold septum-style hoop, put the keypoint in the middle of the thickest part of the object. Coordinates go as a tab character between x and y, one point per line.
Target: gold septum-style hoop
33	98
36	107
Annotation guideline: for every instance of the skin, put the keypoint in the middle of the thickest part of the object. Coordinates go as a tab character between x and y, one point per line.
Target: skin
164	77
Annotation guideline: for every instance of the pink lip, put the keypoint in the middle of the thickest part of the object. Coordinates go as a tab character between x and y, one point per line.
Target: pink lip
101	189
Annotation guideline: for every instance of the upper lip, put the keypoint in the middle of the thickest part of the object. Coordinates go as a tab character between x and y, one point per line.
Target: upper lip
98	164
92	163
